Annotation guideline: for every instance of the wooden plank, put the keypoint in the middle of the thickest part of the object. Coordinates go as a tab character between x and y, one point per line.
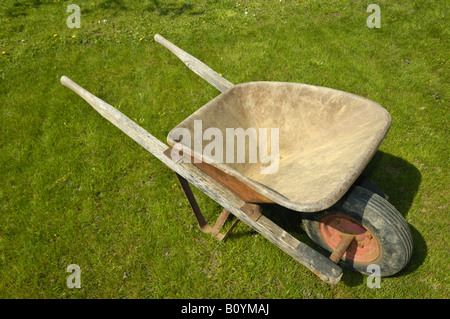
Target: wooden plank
197	66
305	255
321	266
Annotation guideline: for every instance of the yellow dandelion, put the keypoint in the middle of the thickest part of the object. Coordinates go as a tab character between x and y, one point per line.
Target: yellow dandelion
74	36
55	35
140	39
3	52
60	38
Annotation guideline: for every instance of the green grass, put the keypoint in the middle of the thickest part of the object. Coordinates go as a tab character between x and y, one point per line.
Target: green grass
76	190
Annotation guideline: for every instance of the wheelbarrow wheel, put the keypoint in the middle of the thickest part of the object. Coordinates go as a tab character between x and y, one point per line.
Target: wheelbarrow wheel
382	236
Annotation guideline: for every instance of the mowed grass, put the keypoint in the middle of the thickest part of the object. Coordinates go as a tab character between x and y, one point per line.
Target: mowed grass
76	190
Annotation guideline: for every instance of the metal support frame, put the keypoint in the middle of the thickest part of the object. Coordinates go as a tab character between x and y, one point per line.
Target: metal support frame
204	226
254	211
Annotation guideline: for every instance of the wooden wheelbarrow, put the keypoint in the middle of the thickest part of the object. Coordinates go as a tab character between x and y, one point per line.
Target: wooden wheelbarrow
325	138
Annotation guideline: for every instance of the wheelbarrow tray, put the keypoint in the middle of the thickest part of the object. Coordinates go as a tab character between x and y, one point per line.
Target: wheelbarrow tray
326	138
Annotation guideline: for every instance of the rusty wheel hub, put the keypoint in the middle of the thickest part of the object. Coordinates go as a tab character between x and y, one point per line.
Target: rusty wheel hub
364	248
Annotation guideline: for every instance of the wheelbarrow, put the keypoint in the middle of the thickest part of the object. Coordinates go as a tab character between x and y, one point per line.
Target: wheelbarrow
324	138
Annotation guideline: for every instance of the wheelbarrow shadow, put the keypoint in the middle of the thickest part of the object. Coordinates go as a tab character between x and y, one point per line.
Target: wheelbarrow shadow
397	178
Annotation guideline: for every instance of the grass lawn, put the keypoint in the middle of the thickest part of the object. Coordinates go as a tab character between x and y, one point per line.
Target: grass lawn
76	190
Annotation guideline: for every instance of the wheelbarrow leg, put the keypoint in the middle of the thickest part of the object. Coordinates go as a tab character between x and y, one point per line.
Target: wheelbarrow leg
219	224
254	211
204	226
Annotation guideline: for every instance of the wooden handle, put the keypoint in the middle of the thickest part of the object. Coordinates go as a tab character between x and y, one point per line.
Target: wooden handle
197	66
94	101
70	84
125	124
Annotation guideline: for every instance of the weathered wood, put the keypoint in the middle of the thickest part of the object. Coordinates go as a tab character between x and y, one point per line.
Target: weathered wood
320	265
254	211
197	66
323	267
220	221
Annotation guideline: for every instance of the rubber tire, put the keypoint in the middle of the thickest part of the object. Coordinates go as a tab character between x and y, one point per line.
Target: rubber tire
377	215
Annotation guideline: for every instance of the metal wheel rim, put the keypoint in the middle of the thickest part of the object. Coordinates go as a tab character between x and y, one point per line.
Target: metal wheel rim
364	248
